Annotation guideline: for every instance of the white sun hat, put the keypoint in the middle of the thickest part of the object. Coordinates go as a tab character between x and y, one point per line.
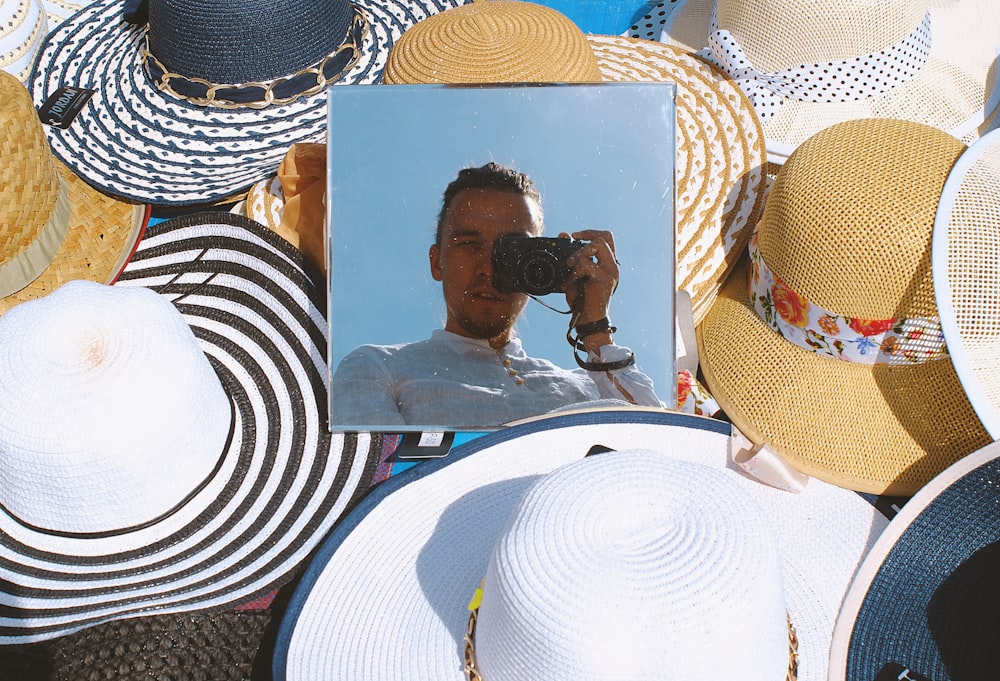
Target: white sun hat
23	25
966	268
807	64
163	441
202	100
386	595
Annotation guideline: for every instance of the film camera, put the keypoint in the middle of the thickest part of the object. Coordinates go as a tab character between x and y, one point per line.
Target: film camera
535	265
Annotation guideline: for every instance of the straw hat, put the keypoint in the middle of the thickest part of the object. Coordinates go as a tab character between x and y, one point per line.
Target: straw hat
808	64
121	495
55	227
720	147
175	140
966	267
926	597
837	360
393	604
22	27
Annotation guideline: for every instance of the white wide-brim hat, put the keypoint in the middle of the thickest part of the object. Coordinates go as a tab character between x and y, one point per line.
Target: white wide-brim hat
135	141
965	261
927	597
810	64
272	491
386	595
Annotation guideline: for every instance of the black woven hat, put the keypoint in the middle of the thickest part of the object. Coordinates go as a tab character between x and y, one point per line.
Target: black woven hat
925	604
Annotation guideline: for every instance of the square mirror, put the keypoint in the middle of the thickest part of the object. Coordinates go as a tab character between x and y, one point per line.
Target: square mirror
428	335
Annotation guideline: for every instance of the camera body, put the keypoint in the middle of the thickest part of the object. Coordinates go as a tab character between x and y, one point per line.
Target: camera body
535	265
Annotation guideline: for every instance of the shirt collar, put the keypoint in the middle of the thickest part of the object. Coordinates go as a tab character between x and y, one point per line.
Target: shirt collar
465	344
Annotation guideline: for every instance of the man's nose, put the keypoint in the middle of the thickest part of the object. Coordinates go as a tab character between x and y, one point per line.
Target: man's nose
484	265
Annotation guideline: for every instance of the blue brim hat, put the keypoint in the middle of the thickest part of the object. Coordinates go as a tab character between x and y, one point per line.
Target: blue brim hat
135	140
925	603
385	596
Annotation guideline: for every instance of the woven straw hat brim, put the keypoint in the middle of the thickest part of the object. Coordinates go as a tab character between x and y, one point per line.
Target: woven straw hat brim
102	234
955	91
966	269
255	309
133	141
720	154
877	429
890	613
386	595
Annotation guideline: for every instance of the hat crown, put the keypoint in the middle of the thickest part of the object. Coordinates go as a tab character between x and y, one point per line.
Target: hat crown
493	42
849	220
633	565
112	413
781	34
242	41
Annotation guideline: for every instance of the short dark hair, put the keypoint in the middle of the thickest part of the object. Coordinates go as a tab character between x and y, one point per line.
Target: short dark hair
490	176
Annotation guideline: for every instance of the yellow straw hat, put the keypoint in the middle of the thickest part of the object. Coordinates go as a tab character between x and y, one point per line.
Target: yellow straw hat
492	42
811	63
53	226
829	347
720	146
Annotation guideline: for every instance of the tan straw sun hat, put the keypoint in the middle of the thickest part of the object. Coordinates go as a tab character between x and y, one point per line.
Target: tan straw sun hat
53	226
720	146
808	64
831	349
966	264
23	24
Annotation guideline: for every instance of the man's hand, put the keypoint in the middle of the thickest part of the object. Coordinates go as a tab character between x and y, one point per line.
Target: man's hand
595	278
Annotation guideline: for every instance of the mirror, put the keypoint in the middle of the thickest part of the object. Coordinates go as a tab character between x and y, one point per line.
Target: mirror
602	158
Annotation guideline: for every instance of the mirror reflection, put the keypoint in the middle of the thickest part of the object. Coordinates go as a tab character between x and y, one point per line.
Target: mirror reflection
498	253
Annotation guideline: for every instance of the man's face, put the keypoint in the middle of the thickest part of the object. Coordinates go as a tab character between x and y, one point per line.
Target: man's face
463	263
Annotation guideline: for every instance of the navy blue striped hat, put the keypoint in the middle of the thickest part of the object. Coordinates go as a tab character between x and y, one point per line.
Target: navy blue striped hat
925	603
180	102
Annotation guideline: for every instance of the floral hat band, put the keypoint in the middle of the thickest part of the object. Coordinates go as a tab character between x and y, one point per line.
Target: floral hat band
835	81
852	339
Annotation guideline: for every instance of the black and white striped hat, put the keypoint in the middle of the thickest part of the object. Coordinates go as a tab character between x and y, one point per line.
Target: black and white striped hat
130	488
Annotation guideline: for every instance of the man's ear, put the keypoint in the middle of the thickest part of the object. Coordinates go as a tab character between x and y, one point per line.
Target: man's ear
434	255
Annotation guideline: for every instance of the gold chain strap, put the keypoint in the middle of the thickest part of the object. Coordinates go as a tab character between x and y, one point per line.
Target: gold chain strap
212	97
472	668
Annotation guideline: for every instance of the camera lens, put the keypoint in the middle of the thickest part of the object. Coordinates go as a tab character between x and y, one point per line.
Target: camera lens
541	273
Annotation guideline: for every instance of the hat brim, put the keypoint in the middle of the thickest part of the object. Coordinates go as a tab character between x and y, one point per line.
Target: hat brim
134	141
386	595
102	235
963	250
872	428
891	614
956	90
276	490
720	155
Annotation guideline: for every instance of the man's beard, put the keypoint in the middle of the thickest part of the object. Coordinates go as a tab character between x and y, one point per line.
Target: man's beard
486	328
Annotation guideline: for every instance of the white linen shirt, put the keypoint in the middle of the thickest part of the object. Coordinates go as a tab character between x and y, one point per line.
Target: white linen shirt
449	380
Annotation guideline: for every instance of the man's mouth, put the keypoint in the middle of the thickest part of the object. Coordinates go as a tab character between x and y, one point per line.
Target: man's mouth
490	296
